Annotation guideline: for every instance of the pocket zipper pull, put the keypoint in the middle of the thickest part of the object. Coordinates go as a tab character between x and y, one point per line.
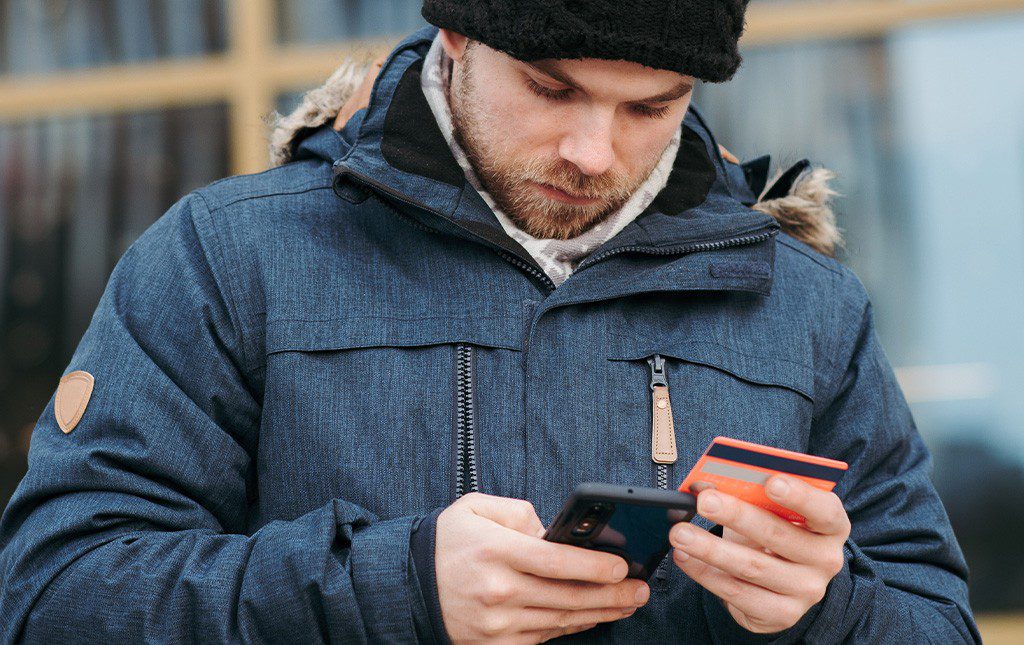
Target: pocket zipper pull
663	435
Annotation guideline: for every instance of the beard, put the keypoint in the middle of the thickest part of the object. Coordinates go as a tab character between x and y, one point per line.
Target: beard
508	179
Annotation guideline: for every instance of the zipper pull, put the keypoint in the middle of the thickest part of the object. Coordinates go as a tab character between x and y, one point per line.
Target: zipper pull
663	435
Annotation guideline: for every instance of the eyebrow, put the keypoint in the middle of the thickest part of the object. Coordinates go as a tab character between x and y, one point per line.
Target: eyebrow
549	68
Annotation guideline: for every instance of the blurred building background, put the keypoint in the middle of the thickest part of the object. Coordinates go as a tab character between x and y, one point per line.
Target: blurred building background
112	109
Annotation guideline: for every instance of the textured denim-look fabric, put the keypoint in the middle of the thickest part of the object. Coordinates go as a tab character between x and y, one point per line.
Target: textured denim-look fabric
273	414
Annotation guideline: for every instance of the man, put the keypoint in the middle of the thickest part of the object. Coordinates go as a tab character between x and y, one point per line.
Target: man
339	400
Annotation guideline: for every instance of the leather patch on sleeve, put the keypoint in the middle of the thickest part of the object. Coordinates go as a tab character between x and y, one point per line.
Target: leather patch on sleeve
73	394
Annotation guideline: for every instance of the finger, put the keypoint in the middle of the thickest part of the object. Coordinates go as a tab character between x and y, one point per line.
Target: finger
727	155
560	594
516	514
539	557
546	635
823	511
761	526
739	538
366	87
360	98
743	562
755	602
539	619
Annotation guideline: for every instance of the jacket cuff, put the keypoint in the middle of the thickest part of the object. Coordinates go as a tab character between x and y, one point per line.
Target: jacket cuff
388	596
828	610
422	545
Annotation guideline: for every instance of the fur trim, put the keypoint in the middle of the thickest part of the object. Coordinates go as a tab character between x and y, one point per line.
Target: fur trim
318	106
805	213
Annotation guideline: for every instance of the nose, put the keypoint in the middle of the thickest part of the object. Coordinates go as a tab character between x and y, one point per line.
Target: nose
588	143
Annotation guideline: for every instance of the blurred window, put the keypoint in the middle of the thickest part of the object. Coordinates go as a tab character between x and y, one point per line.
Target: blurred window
313	21
42	36
74	193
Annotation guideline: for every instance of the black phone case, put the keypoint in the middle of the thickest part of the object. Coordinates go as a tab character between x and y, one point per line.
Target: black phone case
680	507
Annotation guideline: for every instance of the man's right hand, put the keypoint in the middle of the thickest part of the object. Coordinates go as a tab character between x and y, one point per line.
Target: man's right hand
497	579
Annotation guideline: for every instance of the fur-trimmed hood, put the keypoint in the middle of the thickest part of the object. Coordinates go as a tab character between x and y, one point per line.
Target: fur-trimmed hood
800	198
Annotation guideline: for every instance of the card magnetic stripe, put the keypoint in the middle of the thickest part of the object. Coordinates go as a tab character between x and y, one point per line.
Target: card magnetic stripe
734	472
773	462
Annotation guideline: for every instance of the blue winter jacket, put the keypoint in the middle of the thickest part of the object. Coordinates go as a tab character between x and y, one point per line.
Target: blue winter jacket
294	368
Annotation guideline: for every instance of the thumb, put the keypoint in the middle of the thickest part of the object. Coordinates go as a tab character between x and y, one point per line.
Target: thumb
516	514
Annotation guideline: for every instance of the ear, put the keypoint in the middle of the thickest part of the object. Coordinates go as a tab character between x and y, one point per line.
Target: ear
454	43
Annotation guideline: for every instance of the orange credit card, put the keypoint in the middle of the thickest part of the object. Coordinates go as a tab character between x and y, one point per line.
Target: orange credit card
740	468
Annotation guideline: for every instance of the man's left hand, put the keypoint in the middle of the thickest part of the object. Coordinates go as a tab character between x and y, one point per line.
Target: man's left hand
766	570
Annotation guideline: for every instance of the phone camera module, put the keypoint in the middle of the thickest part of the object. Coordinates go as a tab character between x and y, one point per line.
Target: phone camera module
586	525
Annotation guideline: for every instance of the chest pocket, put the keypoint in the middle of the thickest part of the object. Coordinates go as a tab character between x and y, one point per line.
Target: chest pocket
383	412
711	390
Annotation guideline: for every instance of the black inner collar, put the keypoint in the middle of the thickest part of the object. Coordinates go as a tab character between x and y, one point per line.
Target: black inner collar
412	142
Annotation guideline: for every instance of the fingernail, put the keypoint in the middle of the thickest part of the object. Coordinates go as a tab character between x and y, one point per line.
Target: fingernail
682	556
642	594
778	487
620	570
682	535
709	503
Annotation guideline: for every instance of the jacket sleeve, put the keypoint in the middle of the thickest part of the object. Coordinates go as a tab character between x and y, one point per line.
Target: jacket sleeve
904	578
132	527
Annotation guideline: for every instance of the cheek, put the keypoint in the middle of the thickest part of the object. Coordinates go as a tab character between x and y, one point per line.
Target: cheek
520	124
642	144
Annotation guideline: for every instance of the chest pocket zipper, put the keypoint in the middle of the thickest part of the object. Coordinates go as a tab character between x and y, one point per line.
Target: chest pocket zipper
467	478
663	434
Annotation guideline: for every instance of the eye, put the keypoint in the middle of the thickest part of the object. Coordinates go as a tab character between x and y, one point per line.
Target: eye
562	95
654	113
547	92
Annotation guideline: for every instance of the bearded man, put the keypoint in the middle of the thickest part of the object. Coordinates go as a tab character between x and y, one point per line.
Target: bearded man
339	400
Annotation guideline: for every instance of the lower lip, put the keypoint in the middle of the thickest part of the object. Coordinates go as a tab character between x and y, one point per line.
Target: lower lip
554	193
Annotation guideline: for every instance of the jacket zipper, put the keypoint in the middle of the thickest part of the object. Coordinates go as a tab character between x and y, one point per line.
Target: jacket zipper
467	479
685	248
529	268
663	437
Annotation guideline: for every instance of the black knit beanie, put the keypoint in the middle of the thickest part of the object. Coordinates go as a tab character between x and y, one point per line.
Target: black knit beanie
693	37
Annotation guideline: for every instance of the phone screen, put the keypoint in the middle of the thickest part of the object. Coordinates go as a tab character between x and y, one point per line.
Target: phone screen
636	532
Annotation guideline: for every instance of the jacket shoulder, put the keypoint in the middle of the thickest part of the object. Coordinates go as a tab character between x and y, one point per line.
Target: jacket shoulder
293	178
800	263
803	254
827	298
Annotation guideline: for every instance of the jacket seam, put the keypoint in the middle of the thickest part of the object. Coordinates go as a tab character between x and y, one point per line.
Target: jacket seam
726	347
836	381
230	303
785	240
300	190
402	318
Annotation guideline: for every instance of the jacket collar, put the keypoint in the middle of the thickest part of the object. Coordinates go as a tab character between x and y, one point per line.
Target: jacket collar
395	147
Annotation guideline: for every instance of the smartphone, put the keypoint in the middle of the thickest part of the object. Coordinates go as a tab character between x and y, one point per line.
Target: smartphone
631	522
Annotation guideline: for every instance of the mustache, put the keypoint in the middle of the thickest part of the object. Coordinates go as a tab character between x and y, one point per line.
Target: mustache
565	177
